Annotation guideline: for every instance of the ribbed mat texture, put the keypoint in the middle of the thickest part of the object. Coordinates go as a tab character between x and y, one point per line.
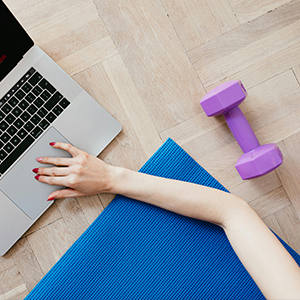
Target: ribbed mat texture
135	250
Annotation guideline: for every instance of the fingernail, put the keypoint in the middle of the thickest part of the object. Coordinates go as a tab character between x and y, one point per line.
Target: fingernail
52	144
37	177
35	170
39	159
50	199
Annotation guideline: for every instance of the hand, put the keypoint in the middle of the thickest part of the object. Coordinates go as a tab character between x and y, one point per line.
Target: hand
83	174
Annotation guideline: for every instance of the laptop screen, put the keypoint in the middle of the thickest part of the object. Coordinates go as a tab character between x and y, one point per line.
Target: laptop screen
14	41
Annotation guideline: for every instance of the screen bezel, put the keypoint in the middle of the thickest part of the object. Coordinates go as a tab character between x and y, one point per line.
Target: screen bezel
25	44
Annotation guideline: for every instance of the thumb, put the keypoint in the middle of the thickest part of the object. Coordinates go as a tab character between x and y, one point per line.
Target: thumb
65	193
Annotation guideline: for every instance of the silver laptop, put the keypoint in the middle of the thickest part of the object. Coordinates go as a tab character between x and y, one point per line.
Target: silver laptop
39	104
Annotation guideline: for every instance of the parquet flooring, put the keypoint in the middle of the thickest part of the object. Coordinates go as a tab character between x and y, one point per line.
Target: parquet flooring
149	63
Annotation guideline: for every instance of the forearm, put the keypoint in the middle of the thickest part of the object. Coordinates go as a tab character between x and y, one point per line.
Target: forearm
267	261
184	198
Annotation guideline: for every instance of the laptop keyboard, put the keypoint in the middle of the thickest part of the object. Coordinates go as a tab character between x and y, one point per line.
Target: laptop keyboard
25	112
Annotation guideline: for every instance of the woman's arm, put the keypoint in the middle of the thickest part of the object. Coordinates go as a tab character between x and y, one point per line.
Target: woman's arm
267	261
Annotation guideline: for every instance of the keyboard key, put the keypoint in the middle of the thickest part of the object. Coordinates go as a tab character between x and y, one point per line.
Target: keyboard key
26	87
42	112
2	154
3	125
38	102
30	97
25	116
16	154
10	119
17	111
37	90
44	124
44	84
57	110
15	140
18	123
36	132
12	130
29	126
24	104
8	147
13	101
35	78
21	134
35	119
6	108
2	115
53	100
32	109
64	103
4	137
50	117
45	95
20	94
1	144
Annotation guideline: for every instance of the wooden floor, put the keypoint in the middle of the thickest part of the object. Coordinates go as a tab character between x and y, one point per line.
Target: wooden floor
149	63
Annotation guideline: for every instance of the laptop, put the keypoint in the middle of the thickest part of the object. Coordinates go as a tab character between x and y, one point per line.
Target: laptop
39	104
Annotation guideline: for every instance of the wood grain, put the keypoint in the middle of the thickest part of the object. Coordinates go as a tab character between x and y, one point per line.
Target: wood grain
149	64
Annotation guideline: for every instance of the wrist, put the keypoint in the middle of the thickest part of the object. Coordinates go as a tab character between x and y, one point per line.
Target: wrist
115	179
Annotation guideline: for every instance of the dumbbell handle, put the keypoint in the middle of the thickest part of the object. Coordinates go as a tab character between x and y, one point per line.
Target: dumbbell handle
241	130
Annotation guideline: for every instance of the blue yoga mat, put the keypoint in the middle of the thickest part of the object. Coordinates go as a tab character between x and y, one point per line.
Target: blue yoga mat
135	250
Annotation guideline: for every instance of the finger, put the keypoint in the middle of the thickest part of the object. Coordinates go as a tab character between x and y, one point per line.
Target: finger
66	193
61	171
57	161
52	180
67	147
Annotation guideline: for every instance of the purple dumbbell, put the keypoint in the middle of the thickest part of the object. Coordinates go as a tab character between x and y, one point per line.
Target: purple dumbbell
257	160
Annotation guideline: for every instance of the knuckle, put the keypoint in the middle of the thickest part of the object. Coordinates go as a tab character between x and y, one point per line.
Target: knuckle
71	181
79	169
50	180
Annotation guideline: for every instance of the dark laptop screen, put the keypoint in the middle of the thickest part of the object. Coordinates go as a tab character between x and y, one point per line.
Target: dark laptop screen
14	41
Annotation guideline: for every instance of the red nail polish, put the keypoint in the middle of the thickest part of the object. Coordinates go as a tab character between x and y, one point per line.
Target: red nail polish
52	144
35	170
37	177
50	199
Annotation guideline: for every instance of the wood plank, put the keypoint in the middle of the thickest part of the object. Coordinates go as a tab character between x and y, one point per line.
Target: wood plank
51	215
17	293
212	18
257	31
297	72
88	56
250	54
12	284
6	262
268	68
38	12
73	216
289	222
183	23
273	224
247	10
259	190
288	172
164	77
132	104
26	263
91	207
271	203
50	243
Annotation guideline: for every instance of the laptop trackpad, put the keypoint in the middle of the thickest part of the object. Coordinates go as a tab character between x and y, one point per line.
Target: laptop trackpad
19	183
